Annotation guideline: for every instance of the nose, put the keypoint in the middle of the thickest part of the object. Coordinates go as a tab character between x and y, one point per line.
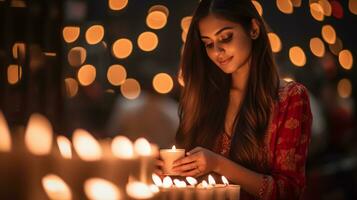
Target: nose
218	50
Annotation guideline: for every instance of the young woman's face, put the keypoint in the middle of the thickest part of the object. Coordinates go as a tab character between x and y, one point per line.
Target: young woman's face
227	43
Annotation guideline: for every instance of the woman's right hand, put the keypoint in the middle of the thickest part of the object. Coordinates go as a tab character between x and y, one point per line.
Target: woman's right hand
158	169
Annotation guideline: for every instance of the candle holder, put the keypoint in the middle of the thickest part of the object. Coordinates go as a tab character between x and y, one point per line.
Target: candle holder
169	156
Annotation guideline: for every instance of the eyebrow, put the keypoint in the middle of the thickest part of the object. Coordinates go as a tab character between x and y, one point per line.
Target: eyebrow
218	32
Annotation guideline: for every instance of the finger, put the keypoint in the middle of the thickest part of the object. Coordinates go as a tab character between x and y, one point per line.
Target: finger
158	172
193	173
159	163
195	150
185	160
186	167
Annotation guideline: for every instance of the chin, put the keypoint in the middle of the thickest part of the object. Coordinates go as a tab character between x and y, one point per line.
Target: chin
228	69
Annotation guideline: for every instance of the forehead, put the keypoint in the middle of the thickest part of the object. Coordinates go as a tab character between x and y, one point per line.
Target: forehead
209	25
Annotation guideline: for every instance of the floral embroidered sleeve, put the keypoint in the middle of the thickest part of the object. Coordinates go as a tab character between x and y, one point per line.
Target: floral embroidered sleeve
287	178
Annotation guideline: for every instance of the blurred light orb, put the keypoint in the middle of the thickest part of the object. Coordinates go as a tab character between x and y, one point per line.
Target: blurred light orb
162	83
185	23
258	7
326	7
297	56
328	34
296	3
116	74
70	33
18	50
352	6
86	75
14	74
122	48
275	42
336	47
77	56
94	34
148	41
285	6
317	47
156	20
130	89
160	8
346	59
344	88
317	12
117	4
71	87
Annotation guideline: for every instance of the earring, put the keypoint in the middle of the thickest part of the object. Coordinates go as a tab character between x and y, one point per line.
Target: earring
254	35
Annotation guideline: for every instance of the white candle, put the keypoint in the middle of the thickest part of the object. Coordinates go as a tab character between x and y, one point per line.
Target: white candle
169	156
204	191
232	191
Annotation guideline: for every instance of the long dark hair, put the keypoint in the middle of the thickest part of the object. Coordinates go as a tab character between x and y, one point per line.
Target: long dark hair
205	96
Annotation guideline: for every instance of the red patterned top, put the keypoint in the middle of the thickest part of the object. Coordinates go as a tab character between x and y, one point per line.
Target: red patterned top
287	140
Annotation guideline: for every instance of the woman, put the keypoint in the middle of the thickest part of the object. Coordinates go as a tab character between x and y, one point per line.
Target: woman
236	118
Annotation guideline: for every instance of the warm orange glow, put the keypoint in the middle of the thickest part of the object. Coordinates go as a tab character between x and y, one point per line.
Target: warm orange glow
70	33
288	79
86	146
258	7
157	180
297	56
130	89
192	181
5	137
116	75
52	54
326	7
156	20
211	180
296	3
167	182
185	23
180	78
86	75
64	146
139	190
56	188
346	59
122	147
148	41
77	56
337	47
99	189
38	136
18	50
160	8
142	147
317	11
285	6
275	42
328	34
163	83
317	47
180	184
352	6
95	34
203	184
14	74
117	4
344	88
122	48
71	87
183	36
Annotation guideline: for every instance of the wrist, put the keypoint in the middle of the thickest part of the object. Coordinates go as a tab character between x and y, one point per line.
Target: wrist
218	164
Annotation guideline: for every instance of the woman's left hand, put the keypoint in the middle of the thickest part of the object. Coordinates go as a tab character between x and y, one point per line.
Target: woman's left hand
199	161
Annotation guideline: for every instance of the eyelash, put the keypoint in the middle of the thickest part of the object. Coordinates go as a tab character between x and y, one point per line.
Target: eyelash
224	40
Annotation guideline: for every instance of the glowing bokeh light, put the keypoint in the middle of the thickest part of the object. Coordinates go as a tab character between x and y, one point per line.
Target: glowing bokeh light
18	50
116	74
148	41
100	189
317	47
86	146
162	83
94	34
297	56
352	6
336	47
328	34
317	12
344	88
122	48
71	87
14	74
275	42
285	6
56	188
258	7
156	20
130	89
346	59
117	4
86	75
77	56
64	146
5	137
70	33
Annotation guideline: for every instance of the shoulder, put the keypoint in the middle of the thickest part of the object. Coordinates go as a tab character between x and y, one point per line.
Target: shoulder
292	89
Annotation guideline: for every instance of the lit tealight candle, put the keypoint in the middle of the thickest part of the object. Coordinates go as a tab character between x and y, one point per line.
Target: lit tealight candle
169	156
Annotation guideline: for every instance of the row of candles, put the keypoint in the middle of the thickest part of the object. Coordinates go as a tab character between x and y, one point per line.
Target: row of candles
36	164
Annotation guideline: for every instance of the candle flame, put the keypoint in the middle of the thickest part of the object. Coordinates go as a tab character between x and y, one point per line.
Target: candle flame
97	188
142	147
225	180
177	182
211	180
64	146
167	182
180	184
56	188
139	190
86	145
5	138
154	189
38	136
122	147
157	180
173	148
204	184
192	181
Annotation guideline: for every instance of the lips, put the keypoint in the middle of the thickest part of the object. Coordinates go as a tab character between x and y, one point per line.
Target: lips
225	61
